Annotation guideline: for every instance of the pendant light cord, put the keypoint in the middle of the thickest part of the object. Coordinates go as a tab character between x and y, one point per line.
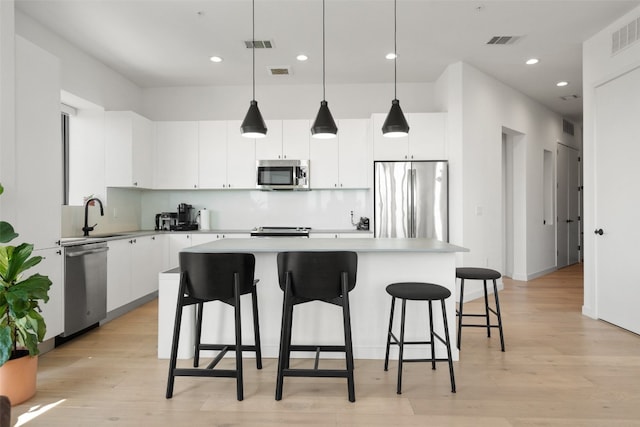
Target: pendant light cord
395	51
253	44
323	56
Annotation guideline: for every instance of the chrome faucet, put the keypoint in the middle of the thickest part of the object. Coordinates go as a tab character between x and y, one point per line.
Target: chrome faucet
86	227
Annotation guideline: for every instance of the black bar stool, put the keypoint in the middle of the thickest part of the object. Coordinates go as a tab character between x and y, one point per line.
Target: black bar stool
316	276
206	277
418	291
484	274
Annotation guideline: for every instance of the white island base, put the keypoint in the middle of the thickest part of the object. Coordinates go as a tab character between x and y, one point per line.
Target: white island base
380	262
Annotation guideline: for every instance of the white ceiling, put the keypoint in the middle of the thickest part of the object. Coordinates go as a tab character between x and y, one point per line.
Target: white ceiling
159	43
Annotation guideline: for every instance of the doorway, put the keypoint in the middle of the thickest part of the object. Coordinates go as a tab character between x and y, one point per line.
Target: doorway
513	204
568	202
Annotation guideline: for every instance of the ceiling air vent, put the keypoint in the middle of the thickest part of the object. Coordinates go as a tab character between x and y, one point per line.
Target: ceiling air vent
283	70
567	127
258	44
499	40
570	97
625	36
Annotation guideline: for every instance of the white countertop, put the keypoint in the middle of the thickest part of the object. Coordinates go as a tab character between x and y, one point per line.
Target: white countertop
280	244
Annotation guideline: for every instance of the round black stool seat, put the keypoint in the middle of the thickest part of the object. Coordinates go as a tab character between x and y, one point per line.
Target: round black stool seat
418	291
475	273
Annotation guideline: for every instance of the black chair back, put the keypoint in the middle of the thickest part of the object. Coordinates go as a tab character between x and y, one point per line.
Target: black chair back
317	275
209	276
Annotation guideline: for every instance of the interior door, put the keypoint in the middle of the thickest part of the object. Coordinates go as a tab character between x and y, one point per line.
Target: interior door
616	200
562	259
568	199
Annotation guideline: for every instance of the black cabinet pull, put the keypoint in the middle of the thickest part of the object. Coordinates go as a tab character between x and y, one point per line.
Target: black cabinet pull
599	231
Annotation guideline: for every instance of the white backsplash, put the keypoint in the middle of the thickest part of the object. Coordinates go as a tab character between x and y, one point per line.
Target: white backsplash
323	209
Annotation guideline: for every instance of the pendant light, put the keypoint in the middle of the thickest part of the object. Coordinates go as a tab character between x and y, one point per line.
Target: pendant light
324	127
253	125
395	125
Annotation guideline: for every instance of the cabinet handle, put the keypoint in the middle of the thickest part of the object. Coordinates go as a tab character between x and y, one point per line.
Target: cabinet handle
59	252
405	157
135	184
188	236
153	237
195	185
57	242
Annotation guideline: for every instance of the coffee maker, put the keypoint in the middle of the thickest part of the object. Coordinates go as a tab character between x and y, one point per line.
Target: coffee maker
186	218
166	221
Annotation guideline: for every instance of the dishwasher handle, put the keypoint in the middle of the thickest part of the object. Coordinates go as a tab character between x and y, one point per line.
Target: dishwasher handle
86	252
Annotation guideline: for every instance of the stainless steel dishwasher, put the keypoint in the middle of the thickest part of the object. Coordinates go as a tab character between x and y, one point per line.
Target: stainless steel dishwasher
85	286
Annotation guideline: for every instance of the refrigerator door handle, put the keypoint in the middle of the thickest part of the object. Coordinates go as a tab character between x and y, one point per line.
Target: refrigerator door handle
412	214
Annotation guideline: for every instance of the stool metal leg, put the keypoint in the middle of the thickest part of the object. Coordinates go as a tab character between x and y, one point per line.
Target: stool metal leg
285	338
486	308
389	332
196	353
460	304
448	344
238	317
401	345
432	337
495	293
256	328
346	313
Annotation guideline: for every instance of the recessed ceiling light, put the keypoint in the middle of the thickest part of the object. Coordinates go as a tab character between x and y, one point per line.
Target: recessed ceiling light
215	59
302	57
390	55
561	84
532	61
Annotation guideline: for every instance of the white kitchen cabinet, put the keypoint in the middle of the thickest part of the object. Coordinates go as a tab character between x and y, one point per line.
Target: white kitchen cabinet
119	264
270	147
133	265
354	235
128	150
212	154
241	158
426	139
286	139
176	155
177	242
341	162
53	310
33	196
147	256
202	238
295	139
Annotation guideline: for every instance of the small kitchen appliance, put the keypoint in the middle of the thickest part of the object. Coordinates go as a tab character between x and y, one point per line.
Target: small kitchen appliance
166	221
186	219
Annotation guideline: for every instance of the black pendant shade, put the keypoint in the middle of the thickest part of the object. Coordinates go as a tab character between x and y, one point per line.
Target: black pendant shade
324	126
395	125
253	125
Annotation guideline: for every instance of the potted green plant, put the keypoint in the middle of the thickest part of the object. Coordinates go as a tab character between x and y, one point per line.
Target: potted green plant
22	326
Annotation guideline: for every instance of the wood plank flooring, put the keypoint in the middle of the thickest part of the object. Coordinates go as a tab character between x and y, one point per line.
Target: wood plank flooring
559	369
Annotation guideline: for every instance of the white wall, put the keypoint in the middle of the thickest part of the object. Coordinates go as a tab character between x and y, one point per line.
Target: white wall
480	109
283	102
599	66
82	75
7	106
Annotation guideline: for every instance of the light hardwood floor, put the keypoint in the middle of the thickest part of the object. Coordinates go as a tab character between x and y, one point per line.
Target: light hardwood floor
559	369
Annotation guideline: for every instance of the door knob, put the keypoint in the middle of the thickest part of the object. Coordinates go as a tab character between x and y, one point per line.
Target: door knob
569	220
599	231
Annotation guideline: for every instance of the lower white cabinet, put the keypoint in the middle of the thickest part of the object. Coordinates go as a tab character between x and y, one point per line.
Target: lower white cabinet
177	242
133	265
53	310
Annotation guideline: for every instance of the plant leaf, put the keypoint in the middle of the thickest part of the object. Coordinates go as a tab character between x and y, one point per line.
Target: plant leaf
36	287
16	261
7	233
6	344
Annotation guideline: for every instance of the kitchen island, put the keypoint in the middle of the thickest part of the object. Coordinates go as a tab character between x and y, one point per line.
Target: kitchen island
380	262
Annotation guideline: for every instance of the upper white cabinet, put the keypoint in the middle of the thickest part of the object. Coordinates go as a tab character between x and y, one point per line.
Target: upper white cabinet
270	147
37	187
241	158
426	139
212	154
286	139
341	162
128	150
176	155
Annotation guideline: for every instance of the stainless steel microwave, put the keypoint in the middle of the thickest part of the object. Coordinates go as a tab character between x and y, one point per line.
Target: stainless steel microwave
282	174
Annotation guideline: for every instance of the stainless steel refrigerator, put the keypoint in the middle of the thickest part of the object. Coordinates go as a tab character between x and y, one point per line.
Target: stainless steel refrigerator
411	199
